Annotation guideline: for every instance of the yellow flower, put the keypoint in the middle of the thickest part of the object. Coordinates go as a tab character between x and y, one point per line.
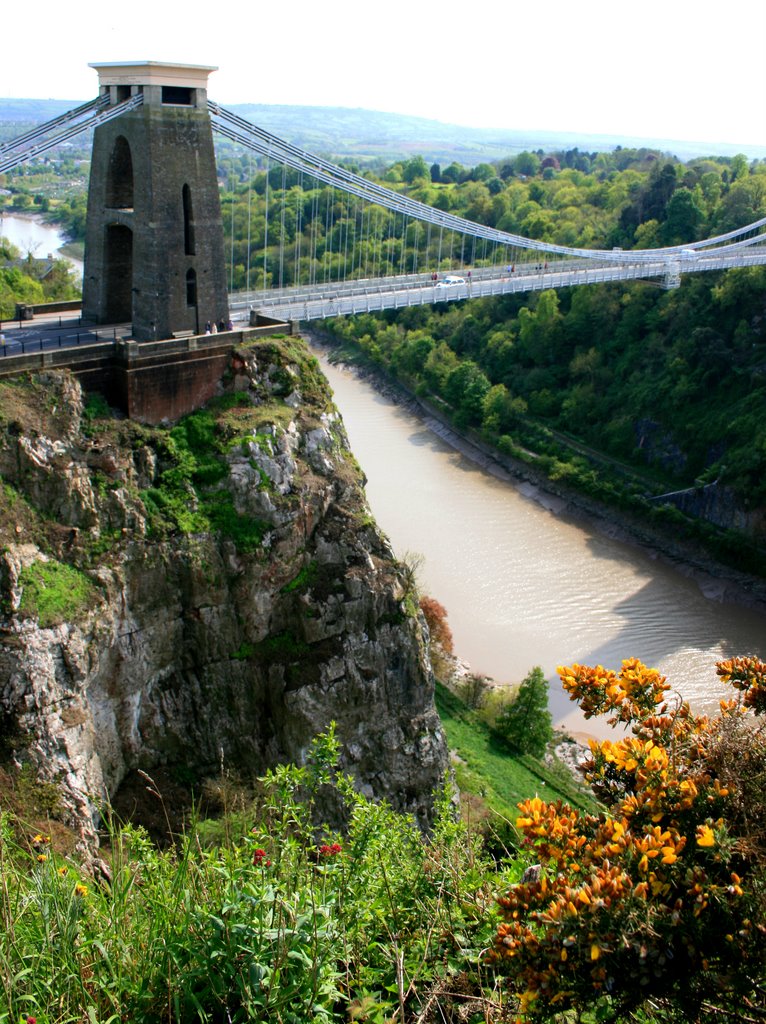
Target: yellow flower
705	836
526	998
595	951
80	889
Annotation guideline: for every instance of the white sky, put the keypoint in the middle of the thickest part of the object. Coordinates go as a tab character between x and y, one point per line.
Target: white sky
665	69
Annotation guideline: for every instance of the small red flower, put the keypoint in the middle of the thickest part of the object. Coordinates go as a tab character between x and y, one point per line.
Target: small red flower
258	857
31	1020
330	851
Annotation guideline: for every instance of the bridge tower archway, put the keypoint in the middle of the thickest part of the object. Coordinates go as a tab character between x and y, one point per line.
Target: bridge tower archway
119	182
154	252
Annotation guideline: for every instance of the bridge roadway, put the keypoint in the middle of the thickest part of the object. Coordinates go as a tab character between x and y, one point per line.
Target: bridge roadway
319	301
328	299
48	331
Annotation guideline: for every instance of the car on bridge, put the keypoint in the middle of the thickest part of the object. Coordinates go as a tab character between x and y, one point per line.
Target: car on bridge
450	281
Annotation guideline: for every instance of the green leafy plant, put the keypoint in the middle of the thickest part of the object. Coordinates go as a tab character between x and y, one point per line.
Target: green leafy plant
286	920
303	581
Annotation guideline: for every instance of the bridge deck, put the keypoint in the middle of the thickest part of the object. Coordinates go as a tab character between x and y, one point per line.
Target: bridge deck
345	298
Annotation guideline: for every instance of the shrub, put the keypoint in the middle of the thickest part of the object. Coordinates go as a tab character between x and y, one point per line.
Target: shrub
436	617
660	897
473	690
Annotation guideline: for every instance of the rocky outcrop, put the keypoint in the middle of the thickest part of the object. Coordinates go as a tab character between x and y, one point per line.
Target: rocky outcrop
215	594
719	505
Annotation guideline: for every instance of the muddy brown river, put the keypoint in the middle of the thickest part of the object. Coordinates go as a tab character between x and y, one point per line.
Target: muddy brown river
523	583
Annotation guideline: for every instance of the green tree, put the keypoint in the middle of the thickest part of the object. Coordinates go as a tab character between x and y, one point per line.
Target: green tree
414	169
440	362
527	164
465	389
482	172
647	235
739	167
453	173
683	216
17	287
539	328
411	353
744	203
501	410
525	724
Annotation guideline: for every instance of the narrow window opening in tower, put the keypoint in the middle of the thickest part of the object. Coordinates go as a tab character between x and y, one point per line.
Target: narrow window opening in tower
191	288
118	273
189	249
178	95
123	93
119	181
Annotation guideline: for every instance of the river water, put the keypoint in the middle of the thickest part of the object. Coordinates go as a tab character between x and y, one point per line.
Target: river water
31	235
522	583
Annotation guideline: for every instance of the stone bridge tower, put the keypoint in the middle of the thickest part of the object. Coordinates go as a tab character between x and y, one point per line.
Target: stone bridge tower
154	235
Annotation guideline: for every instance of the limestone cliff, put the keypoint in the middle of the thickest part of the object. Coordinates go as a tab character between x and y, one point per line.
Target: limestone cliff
204	594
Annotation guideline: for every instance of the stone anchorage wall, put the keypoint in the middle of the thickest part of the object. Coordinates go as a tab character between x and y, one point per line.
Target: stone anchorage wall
150	381
25	312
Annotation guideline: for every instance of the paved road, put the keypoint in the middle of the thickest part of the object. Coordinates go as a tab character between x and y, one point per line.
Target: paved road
50	332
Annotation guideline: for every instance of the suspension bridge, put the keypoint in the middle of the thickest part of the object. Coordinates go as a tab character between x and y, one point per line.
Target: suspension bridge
376	249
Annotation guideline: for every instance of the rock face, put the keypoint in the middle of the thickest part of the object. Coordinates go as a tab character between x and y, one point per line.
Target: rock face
212	594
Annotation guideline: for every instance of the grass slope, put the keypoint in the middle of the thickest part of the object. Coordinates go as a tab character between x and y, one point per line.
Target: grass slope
484	768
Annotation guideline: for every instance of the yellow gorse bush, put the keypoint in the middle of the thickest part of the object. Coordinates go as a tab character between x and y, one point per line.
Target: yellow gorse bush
636	900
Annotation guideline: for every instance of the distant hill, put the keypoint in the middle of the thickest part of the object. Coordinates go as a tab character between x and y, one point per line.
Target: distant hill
369	135
343	131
